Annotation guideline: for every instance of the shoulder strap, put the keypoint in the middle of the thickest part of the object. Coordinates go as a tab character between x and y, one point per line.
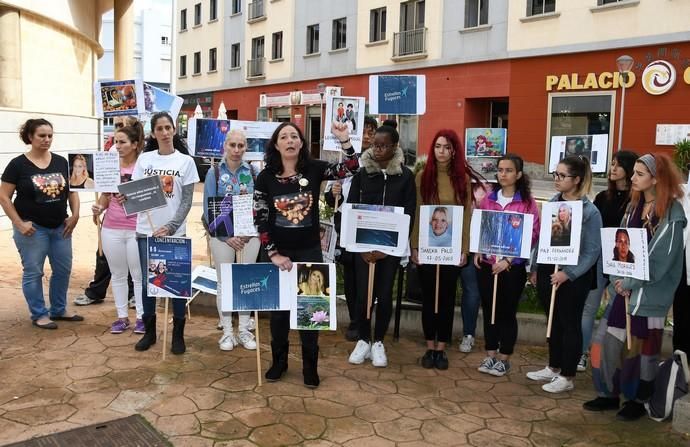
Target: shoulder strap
216	172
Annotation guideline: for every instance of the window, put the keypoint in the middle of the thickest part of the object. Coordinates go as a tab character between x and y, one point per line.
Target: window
183	20
377	25
412	15
236	6
537	7
235	55
165	40
258	47
339	34
277	52
212	10
183	66
197	14
212	59
476	13
313	39
608	2
255	66
197	62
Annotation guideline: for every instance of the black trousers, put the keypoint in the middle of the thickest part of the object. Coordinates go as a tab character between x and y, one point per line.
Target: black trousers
347	260
565	343
438	326
384	276
502	335
681	313
98	287
280	320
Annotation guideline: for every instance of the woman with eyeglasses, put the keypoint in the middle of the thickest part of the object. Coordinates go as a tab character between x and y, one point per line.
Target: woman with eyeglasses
445	180
286	205
615	368
573	181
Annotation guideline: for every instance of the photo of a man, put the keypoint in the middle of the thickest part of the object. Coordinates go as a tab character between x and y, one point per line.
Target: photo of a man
440	228
621	251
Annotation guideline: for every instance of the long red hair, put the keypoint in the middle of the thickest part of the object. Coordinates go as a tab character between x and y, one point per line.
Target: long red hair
667	189
458	170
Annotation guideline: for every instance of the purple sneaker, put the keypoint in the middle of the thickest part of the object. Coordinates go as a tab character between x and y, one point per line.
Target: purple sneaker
139	327
119	326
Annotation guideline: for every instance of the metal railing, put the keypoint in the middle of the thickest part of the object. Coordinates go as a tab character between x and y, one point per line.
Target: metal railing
406	43
256	9
255	67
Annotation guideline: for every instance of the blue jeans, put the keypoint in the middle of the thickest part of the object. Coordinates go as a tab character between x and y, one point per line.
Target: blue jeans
33	250
592	306
149	302
469	306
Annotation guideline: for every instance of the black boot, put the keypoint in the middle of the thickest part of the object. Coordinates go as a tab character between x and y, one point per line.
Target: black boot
177	346
279	352
310	364
149	337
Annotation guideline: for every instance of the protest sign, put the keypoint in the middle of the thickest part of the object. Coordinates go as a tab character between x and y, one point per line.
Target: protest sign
204	279
258	133
243	215
594	147
219	211
440	234
314	306
94	171
259	286
501	233
170	267
624	252
560	233
346	235
348	110
328	238
206	136
118	98
158	100
382	231
142	195
485	142
397	94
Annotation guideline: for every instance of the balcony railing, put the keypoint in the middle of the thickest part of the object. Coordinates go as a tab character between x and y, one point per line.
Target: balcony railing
256	10
408	43
255	67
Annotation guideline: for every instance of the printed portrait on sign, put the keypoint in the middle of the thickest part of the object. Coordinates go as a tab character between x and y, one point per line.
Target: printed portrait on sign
312	279
621	249
561	222
441	228
81	171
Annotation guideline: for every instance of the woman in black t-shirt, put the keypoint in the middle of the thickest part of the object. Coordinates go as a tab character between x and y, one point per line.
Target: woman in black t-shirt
286	205
40	222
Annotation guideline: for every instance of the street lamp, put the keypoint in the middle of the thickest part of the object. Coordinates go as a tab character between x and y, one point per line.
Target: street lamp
624	64
321	87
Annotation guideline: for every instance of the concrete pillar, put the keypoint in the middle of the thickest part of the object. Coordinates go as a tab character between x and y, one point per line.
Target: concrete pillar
124	39
10	59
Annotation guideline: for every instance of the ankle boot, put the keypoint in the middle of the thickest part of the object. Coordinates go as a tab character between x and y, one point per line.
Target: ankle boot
310	363
279	351
177	346
149	337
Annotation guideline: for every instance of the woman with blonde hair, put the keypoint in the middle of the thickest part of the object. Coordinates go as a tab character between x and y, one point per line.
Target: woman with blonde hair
79	177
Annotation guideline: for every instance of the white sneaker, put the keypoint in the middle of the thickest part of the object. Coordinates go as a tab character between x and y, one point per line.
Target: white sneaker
251	325
247	340
543	375
227	342
361	352
378	355
582	364
466	343
486	365
558	384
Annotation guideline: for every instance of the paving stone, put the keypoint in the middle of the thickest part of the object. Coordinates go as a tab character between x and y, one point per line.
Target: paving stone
439	405
132	401
509	426
309	426
10	431
236	382
376	413
174	406
370	441
257	417
212	416
41	415
186	424
243	400
201	378
480	409
191	441
397	402
40	398
350	398
487	437
284	388
92	400
205	398
344	429
93	384
235	443
461	423
275	435
131	378
421	414
402	429
517	413
438	434
327	408
288	404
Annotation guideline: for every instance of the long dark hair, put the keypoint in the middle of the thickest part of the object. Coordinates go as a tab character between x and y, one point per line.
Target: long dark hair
178	142
626	160
274	162
522	185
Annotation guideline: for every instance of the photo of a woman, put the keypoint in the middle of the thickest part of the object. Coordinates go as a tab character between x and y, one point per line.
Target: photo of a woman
79	176
312	281
440	228
560	228
621	251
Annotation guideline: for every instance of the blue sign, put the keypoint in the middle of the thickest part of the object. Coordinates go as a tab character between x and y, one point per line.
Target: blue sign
169	267
255	287
398	95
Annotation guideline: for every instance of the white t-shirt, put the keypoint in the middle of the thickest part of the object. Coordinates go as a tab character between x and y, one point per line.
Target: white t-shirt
503	200
175	170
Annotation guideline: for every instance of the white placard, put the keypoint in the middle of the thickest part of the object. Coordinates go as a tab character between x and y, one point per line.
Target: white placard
346	231
94	171
560	233
670	134
501	233
594	147
440	234
205	279
348	110
624	252
376	231
314	306
258	133
243	215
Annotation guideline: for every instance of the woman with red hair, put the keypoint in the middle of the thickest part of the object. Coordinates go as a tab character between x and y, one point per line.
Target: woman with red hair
445	180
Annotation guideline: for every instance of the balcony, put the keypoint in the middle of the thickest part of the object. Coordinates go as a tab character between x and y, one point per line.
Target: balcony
255	68
256	11
409	44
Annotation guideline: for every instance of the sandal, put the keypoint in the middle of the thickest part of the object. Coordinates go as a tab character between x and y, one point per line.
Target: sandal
50	325
68	318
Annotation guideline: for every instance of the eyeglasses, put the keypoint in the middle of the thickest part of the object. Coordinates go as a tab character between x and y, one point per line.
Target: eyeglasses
382	146
559	176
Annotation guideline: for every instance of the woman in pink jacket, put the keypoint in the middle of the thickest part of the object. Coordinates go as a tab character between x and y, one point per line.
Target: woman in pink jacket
513	195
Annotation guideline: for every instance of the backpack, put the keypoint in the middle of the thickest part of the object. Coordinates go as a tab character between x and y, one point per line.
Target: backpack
671	383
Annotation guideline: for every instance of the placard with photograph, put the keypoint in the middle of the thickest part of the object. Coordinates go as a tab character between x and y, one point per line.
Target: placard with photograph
94	171
158	100
375	230
486	166
346	236
220	214
440	234
348	110
594	147
170	267
501	233
624	252
243	215
328	238
258	133
314	308
142	195
485	142
259	286
560	233
397	94
206	136
204	279
118	98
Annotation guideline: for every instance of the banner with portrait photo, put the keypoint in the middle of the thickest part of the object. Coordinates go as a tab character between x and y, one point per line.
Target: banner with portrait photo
260	286
624	252
501	233
119	98
94	171
206	136
258	133
329	238
158	100
170	267
348	110
594	147
397	94
440	234
365	230
314	308
560	233
485	142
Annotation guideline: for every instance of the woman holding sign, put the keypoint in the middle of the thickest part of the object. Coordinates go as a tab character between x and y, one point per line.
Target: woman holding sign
445	180
179	172
630	368
232	177
286	197
573	181
513	195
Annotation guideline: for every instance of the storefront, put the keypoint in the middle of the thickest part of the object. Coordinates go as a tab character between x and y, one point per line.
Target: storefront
204	100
